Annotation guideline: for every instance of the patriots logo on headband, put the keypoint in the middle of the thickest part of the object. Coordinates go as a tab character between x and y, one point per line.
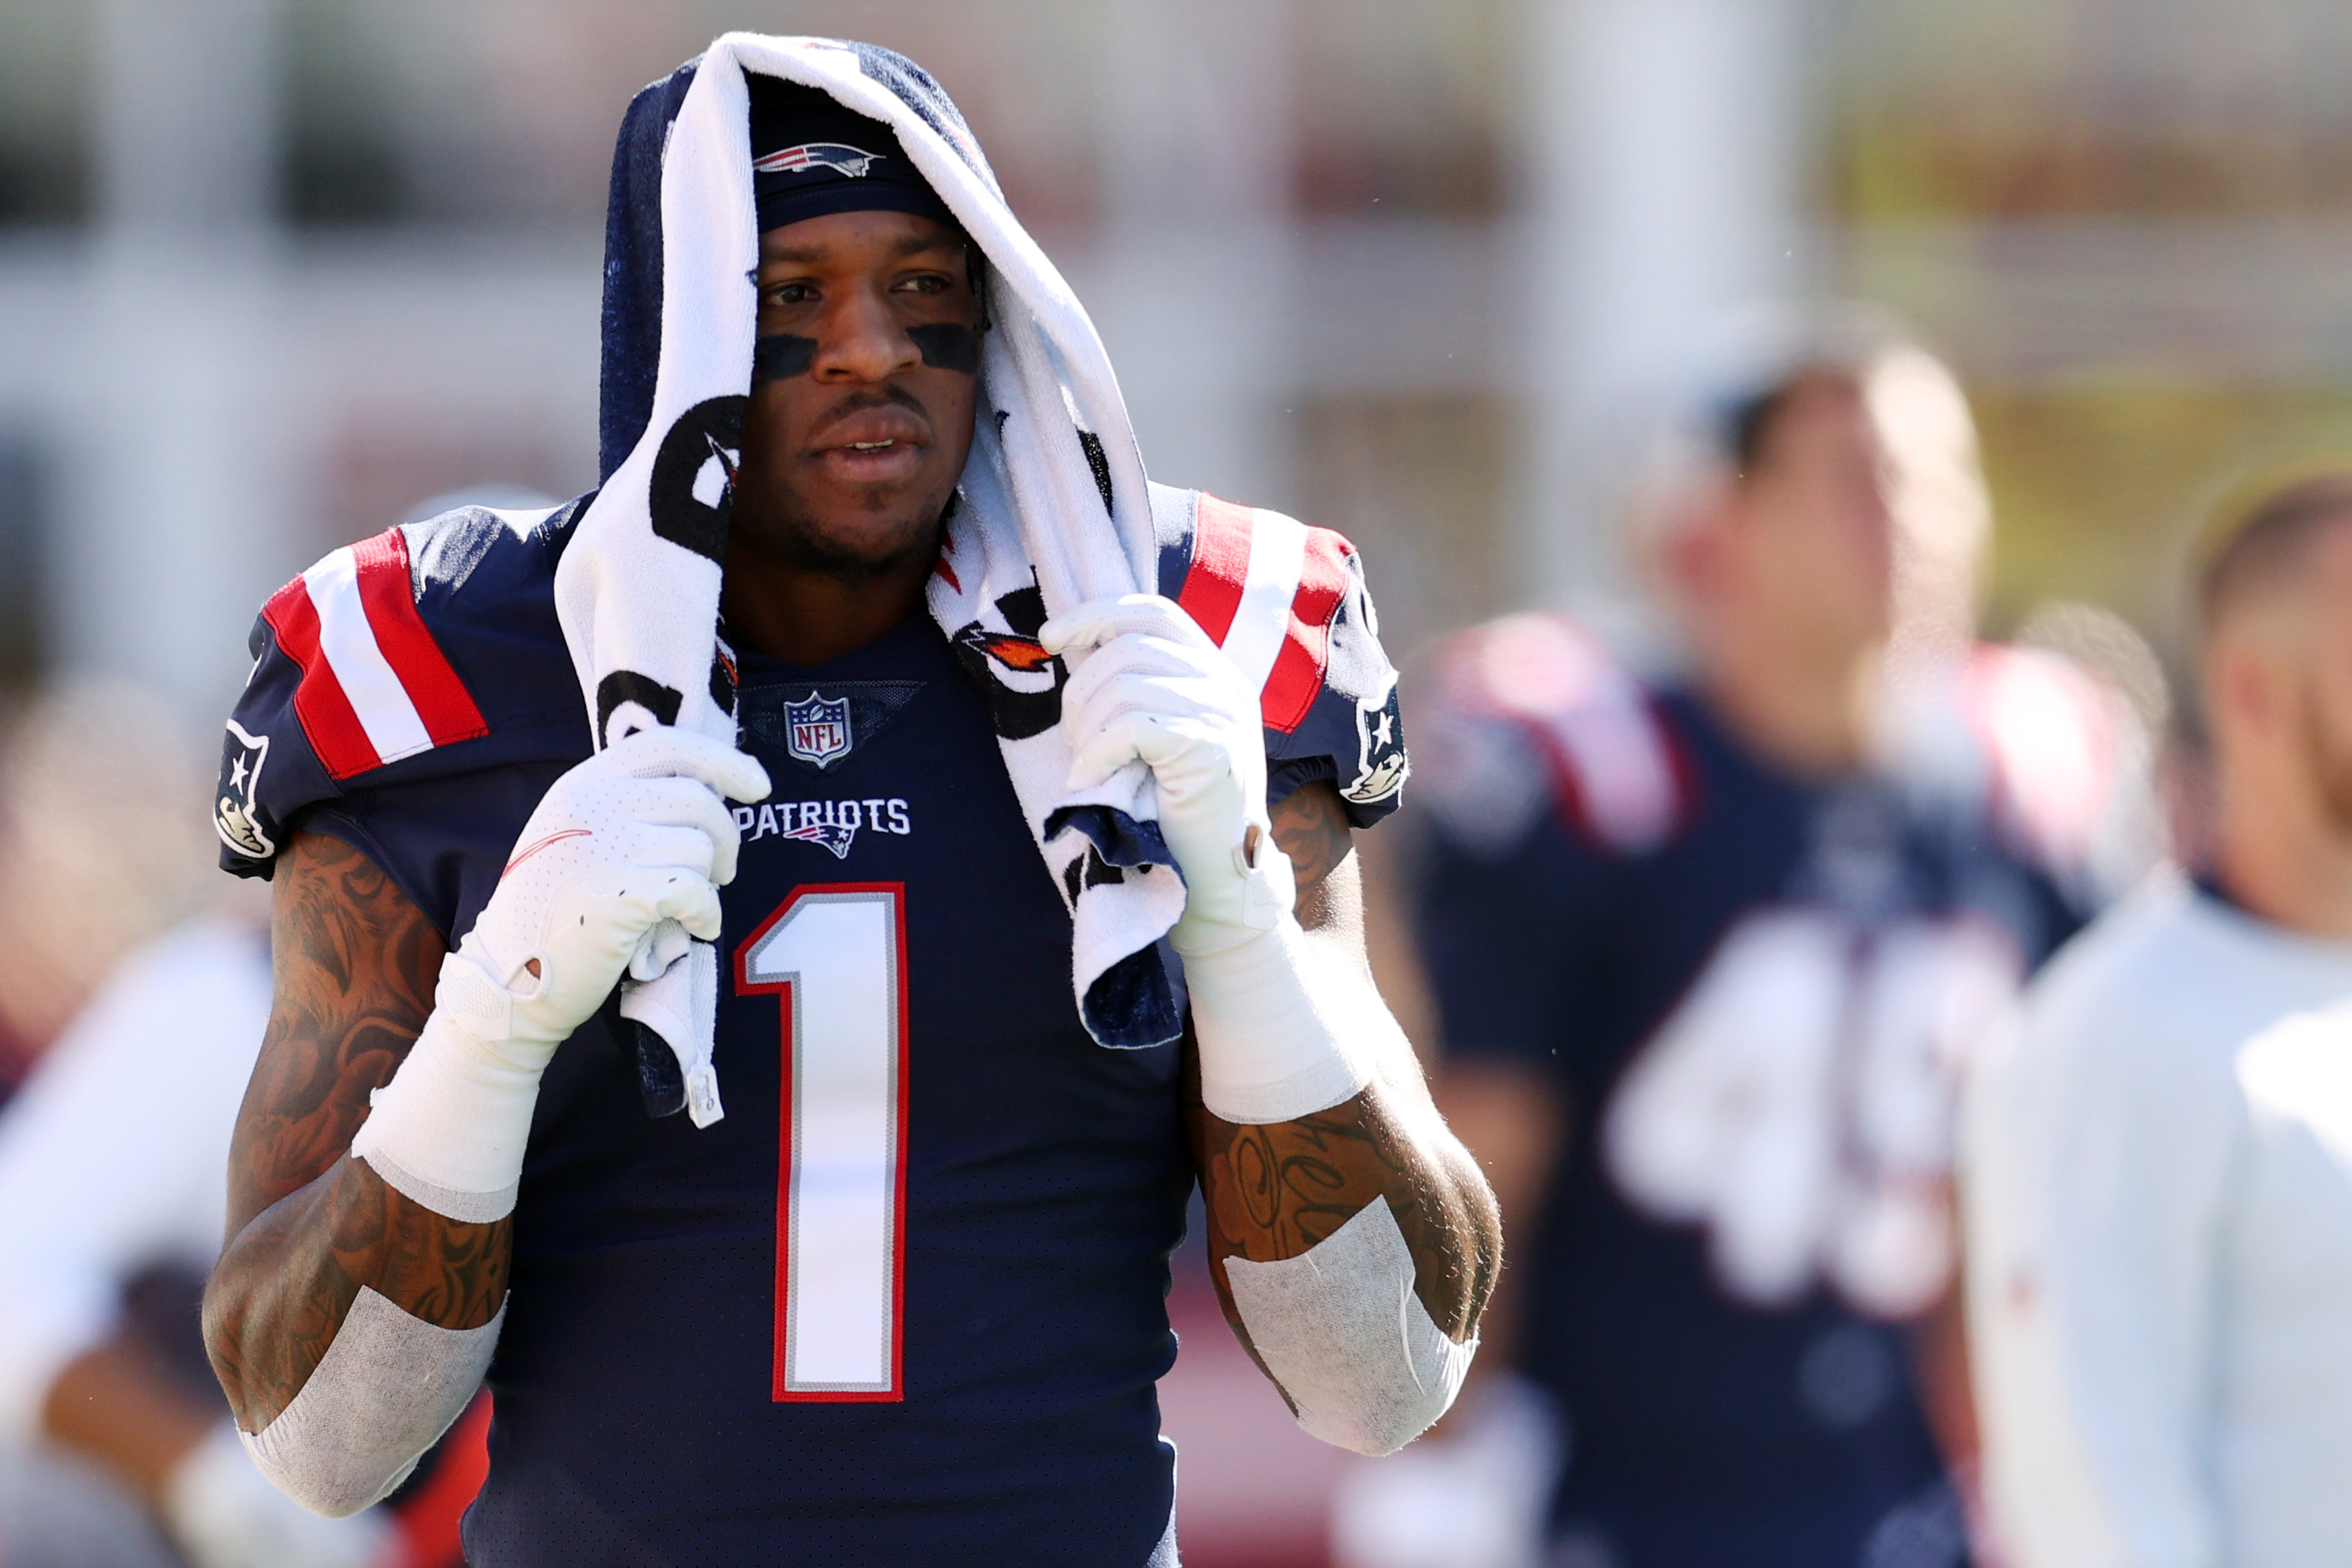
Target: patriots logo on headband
840	157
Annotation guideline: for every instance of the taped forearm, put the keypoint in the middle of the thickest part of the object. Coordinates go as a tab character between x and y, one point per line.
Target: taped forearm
386	1391
1285	1028
448	1130
1341	1328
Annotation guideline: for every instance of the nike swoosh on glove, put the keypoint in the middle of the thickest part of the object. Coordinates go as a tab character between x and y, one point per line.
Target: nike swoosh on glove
623	859
633	836
1151	686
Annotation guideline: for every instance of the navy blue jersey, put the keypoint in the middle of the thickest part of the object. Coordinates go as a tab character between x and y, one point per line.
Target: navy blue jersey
904	1303
1752	992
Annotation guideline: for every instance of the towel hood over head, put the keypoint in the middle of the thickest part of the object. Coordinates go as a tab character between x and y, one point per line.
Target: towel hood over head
1053	508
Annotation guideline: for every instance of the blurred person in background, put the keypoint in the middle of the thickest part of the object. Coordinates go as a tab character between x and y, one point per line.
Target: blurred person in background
2158	1193
116	1449
97	855
1708	952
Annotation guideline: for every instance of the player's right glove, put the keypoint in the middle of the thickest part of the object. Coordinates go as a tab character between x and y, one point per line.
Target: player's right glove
622	860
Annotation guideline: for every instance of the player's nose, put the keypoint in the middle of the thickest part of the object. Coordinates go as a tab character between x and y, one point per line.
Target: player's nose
862	340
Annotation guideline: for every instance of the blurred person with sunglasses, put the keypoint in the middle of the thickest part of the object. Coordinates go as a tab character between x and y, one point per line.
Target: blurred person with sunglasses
1708	949
2159	1172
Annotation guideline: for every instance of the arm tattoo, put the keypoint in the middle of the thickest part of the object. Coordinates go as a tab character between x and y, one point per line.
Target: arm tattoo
1271	1192
1311	828
355	962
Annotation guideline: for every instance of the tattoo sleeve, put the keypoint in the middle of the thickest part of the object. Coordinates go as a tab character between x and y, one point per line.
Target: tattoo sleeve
355	962
1274	1191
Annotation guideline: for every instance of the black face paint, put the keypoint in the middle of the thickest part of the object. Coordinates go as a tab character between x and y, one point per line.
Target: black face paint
944	345
775	358
948	345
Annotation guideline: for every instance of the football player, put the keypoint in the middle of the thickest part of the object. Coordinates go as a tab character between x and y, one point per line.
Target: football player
1705	962
760	1339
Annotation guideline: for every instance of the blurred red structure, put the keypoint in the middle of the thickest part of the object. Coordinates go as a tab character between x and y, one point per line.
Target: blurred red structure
429	1517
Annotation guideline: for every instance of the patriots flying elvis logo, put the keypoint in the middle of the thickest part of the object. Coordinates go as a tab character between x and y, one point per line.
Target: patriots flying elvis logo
840	157
836	836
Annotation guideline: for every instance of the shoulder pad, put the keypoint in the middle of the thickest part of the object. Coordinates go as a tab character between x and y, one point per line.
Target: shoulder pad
1539	697
395	659
1288	603
2054	741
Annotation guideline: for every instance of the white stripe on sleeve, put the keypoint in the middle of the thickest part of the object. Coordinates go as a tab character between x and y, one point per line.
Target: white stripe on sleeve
1277	559
390	718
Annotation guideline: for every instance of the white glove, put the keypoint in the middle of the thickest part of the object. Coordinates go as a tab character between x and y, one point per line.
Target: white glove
221	1512
622	860
1283	1030
1155	689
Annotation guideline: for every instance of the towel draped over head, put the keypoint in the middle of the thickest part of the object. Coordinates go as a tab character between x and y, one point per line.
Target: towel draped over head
1052	509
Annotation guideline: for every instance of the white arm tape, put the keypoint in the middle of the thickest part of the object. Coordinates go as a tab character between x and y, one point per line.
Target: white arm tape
384	1393
1284	1028
1341	1330
448	1130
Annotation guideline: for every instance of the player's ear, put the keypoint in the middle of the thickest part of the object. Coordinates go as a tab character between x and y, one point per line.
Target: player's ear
1687	548
2244	691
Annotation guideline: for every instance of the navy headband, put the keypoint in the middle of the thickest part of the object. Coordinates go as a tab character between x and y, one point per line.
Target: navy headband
811	156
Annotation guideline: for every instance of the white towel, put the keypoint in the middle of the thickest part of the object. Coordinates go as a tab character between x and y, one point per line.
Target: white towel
638	590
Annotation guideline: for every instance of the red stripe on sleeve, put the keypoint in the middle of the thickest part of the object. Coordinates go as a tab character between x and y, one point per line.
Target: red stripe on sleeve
328	720
441	698
1297	674
1219	568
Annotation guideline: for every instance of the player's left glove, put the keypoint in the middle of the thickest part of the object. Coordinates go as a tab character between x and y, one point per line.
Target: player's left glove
1287	1023
1155	689
1148	685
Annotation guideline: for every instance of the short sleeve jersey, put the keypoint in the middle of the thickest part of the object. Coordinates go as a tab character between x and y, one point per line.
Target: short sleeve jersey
904	1303
1752	992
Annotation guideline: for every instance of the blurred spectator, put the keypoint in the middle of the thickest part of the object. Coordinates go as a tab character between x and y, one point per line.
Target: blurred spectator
1708	953
111	1173
2159	1194
116	1449
102	847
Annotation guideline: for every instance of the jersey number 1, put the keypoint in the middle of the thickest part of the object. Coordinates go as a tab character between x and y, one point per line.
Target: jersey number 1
835	954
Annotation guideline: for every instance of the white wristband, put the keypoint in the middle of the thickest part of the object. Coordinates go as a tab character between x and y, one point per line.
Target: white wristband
1283	1033
448	1130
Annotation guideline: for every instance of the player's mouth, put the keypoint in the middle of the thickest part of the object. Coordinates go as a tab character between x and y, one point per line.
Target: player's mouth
875	445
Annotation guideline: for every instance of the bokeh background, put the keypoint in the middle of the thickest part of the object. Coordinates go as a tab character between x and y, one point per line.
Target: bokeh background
273	273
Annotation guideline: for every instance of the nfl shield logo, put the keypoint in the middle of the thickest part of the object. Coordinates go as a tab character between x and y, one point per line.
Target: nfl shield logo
817	729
